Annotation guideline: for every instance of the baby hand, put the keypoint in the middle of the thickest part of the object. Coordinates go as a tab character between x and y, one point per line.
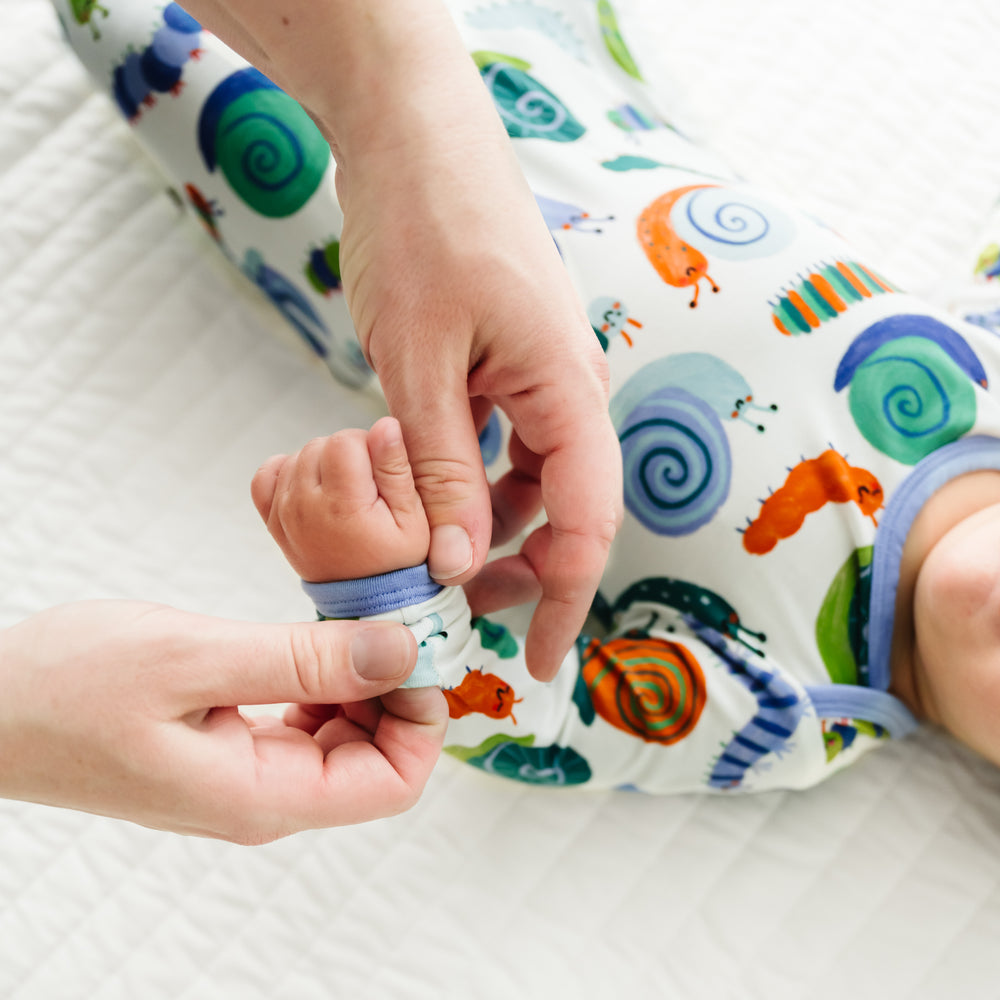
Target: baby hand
345	506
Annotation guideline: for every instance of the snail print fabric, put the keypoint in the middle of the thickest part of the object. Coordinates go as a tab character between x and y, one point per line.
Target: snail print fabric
236	152
783	407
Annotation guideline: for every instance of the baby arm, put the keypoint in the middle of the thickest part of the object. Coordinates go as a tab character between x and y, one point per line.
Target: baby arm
346	513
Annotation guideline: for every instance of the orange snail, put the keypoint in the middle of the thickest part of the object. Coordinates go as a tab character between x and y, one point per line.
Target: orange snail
678	263
647	687
734	222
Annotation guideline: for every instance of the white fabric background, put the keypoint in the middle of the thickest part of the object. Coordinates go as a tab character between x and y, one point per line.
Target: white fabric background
141	383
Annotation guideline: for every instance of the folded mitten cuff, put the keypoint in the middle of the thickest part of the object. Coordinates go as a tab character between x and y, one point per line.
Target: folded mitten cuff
373	595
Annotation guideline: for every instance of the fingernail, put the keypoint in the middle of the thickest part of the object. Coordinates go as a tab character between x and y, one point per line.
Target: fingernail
450	553
393	432
380	652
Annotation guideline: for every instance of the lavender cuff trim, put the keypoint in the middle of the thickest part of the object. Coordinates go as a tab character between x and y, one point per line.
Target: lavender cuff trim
372	595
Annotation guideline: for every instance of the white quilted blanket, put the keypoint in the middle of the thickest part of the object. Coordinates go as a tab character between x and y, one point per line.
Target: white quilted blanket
141	384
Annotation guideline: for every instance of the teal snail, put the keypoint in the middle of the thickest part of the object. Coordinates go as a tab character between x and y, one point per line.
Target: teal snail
516	758
527	108
268	149
910	381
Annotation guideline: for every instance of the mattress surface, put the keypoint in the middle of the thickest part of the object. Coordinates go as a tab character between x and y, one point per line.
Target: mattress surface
142	381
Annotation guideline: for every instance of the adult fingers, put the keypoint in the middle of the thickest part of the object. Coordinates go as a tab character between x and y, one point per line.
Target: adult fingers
582	496
517	495
359	776
431	403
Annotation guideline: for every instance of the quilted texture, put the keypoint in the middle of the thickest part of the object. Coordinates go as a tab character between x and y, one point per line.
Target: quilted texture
141	383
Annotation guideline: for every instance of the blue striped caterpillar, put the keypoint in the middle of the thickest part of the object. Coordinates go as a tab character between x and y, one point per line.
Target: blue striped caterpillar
159	66
779	709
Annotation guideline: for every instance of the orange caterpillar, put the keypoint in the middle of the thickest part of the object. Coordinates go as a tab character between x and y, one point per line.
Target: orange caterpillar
678	263
485	693
813	483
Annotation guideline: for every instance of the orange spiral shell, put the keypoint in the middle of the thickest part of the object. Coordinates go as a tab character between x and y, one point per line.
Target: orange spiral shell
651	688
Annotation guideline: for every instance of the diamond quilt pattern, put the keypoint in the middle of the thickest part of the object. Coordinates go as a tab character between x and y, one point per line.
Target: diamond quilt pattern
141	383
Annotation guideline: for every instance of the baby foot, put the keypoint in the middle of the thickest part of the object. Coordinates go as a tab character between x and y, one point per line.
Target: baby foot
345	506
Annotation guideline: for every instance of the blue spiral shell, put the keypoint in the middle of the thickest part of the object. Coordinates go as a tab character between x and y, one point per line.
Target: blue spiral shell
676	459
734	224
268	149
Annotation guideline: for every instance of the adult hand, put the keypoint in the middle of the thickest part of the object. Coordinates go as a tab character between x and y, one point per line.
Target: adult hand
128	710
458	295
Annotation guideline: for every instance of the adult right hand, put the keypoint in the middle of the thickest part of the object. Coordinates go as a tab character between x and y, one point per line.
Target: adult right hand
458	296
129	710
461	302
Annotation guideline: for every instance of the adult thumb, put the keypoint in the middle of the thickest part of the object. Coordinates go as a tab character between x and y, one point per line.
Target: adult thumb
443	447
319	663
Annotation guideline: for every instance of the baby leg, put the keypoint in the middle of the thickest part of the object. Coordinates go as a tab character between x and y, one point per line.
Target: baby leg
243	158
